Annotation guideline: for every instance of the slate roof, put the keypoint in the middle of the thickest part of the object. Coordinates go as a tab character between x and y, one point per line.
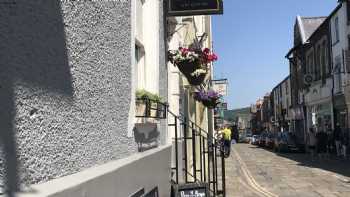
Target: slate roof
310	24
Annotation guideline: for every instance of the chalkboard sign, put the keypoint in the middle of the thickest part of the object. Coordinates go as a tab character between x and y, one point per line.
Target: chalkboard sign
194	7
191	190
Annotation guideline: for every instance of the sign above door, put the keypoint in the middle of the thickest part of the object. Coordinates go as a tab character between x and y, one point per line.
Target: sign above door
194	7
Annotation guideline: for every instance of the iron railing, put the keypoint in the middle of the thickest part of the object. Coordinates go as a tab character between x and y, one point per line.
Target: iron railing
199	158
196	151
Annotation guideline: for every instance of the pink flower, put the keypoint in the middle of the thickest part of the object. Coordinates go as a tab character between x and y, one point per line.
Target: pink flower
206	50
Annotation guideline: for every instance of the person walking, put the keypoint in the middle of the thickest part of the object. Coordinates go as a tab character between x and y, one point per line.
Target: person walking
227	141
312	142
345	143
337	138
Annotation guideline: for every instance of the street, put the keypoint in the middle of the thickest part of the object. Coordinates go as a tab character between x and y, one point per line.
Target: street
252	171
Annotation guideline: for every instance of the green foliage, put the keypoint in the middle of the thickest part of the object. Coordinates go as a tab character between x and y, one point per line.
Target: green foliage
144	94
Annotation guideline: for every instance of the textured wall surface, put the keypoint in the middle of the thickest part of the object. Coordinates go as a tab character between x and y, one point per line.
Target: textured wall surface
64	86
163	70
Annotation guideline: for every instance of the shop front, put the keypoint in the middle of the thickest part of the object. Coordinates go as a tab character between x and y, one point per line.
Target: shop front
320	117
340	111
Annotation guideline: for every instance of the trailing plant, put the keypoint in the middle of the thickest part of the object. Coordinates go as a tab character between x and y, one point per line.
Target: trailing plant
144	94
209	98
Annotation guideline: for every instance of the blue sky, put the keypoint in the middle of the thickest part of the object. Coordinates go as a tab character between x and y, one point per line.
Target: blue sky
251	40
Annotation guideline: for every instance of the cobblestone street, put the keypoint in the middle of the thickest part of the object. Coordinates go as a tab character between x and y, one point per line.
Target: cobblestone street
253	171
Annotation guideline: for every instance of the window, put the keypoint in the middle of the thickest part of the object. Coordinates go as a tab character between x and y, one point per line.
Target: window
323	60
140	67
318	63
336	24
337	74
310	64
348	11
326	64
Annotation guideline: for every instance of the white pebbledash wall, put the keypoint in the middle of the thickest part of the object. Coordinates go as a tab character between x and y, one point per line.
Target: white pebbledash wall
66	89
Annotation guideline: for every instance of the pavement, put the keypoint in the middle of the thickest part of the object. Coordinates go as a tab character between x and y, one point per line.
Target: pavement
252	172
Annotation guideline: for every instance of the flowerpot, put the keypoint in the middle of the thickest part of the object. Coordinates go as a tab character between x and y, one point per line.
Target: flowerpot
196	80
161	111
141	108
187	67
154	109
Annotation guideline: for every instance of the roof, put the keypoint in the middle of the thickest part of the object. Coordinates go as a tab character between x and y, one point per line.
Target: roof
285	79
310	24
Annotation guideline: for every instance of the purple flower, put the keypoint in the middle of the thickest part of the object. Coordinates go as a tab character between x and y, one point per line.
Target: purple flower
206	96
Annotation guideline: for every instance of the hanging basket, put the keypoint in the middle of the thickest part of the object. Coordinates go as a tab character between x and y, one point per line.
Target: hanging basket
187	67
196	80
211	104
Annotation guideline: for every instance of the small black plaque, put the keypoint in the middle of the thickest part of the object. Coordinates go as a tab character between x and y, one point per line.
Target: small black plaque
194	7
191	190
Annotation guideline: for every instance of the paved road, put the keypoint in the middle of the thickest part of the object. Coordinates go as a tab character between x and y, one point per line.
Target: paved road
253	172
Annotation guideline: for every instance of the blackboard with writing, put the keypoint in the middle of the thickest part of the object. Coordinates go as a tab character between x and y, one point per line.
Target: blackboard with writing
194	7
191	190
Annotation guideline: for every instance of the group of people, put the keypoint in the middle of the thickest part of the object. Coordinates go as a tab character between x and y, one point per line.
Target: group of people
325	143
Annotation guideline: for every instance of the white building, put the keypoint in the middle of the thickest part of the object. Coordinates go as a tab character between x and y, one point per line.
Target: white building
340	31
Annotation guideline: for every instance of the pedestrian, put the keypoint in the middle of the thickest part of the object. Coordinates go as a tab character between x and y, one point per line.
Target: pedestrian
321	137
227	140
312	142
345	142
337	138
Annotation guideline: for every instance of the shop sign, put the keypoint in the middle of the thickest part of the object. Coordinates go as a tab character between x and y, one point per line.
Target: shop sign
194	7
220	86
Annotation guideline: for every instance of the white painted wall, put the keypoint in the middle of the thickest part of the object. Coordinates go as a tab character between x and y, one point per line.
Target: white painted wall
120	178
338	47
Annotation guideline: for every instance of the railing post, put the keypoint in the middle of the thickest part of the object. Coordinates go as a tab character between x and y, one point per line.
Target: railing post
176	151
201	155
185	144
223	175
194	152
214	167
204	160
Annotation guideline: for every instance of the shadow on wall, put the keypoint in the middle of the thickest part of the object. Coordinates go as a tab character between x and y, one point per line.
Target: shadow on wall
33	61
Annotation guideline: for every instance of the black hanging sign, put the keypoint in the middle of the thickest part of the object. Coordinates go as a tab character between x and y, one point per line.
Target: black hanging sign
191	190
194	7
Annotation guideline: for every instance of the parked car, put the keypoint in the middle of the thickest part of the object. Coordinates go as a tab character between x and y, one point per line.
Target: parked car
255	140
284	143
262	139
248	138
270	140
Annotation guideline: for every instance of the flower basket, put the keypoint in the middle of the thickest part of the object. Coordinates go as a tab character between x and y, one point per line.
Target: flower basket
141	108
187	67
193	63
211	104
209	98
196	80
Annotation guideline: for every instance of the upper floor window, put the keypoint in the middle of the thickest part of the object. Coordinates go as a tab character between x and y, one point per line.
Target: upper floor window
310	64
336	26
325	67
348	11
318	63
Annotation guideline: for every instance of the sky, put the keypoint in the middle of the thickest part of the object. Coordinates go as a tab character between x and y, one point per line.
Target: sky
252	38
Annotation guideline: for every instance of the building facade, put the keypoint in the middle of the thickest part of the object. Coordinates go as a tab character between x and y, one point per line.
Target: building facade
68	104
